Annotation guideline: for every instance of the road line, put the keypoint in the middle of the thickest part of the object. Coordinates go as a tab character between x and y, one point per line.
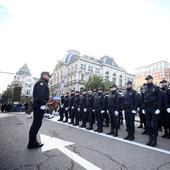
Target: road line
56	143
115	138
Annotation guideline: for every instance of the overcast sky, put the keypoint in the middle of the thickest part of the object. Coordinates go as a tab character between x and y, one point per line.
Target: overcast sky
39	32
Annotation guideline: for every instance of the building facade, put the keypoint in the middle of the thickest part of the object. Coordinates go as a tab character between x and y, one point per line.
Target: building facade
24	79
159	70
75	70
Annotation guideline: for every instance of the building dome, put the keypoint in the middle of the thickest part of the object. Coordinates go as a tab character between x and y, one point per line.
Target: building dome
71	56
24	70
109	61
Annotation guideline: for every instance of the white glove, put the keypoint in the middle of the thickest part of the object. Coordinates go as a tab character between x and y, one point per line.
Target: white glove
85	110
143	111
116	113
134	111
138	109
93	110
66	108
72	107
102	111
78	109
108	111
157	111
62	106
123	112
168	110
43	107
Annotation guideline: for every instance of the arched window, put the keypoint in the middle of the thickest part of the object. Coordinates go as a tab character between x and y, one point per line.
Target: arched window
120	80
114	78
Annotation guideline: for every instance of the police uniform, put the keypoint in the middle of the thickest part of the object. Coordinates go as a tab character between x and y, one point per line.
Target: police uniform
61	108
90	110
130	107
76	109
105	114
83	110
163	118
99	109
113	108
66	107
151	99
167	115
71	106
40	97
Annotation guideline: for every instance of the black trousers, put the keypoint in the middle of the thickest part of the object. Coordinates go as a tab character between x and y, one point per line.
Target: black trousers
91	116
72	114
36	124
151	121
106	117
113	119
99	118
130	121
61	112
165	119
76	114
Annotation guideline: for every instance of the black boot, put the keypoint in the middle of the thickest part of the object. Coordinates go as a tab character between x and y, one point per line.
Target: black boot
90	127
100	130
116	132
111	132
150	140
132	137
127	137
145	132
65	121
154	141
82	126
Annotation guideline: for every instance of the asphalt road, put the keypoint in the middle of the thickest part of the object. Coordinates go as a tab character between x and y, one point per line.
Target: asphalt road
69	148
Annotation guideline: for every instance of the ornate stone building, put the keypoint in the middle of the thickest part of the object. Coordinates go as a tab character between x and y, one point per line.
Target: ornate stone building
75	70
24	79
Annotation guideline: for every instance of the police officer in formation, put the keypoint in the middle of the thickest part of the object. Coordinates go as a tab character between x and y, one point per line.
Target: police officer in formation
105	114
71	107
102	108
165	108
113	109
61	108
83	109
129	110
90	109
151	102
76	109
99	109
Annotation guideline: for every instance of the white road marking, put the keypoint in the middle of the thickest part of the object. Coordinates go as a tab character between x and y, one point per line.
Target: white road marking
53	143
115	138
2	115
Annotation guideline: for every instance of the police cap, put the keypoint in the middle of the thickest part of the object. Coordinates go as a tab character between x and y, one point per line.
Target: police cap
45	73
149	77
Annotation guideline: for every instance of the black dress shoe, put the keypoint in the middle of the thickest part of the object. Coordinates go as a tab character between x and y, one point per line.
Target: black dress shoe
164	136
145	132
65	121
100	131
82	126
89	128
127	137
60	120
140	126
131	138
110	133
96	130
75	124
35	145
